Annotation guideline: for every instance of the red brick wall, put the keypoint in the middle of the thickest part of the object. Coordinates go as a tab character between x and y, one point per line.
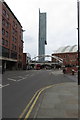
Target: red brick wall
68	58
24	58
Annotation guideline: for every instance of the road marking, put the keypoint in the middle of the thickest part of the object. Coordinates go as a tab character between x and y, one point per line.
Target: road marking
6	85
21	76
11	79
37	111
1	86
32	75
31	108
20	79
27	75
34	102
24	111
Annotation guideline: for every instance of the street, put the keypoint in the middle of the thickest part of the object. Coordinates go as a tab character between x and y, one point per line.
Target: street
18	88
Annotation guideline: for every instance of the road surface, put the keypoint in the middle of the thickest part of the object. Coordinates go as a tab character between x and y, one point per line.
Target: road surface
18	87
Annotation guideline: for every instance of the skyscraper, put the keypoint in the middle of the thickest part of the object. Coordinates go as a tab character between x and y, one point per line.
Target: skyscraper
42	35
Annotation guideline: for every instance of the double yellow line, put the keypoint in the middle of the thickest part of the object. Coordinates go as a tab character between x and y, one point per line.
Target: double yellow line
33	102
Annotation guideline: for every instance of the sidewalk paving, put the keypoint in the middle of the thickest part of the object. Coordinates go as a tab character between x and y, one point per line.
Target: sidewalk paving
60	101
72	77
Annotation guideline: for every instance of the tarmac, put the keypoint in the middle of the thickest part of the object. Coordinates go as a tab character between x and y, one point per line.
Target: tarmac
59	101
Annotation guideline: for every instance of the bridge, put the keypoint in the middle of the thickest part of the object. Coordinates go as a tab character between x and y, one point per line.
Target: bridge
36	60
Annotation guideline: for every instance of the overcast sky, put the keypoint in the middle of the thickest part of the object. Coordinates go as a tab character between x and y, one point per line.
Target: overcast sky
61	22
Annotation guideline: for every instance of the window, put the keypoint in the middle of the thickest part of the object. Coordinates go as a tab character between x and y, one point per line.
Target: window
3	41
7	15
13	31
15	40
6	43
7	24
3	31
6	34
13	55
3	21
16	25
12	38
13	23
12	46
15	47
5	52
4	12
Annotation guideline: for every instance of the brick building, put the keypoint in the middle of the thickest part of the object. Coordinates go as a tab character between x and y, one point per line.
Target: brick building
11	38
69	54
26	60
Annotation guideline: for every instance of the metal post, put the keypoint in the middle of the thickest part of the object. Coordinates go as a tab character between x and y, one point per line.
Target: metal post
78	44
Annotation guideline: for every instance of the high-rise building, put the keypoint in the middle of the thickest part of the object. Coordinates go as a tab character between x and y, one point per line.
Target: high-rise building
42	35
11	38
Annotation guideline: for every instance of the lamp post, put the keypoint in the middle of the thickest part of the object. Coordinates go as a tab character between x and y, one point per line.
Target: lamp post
78	2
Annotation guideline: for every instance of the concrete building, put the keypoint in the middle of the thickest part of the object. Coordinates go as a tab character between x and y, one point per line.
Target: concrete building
11	38
69	54
42	35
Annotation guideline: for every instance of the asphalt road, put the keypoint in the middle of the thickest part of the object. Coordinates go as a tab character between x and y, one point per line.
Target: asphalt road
18	87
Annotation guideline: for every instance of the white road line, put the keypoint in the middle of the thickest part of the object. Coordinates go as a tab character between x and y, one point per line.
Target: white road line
21	79
4	85
32	75
27	75
11	79
0	85
21	76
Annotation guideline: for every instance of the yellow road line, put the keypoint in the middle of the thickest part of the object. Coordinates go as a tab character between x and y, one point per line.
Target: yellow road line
28	105
31	108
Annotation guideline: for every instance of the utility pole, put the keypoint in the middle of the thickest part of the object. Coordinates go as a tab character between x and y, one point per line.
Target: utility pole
78	7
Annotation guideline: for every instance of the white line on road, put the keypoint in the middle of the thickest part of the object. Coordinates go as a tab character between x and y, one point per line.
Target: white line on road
32	75
11	79
21	76
27	75
6	85
1	86
21	79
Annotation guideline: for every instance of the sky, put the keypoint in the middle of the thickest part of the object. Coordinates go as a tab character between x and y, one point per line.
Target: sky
61	23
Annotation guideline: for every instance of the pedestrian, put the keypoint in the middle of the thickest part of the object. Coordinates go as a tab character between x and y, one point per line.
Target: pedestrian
64	71
72	71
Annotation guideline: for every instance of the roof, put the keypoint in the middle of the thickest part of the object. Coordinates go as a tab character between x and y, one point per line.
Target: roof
67	49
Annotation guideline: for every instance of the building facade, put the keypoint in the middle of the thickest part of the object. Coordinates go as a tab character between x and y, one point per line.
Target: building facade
42	35
26	60
69	54
11	39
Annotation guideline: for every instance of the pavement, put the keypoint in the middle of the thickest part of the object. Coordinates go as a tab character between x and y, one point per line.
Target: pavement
58	101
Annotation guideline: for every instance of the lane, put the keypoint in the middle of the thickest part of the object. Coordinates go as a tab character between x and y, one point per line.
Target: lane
18	94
